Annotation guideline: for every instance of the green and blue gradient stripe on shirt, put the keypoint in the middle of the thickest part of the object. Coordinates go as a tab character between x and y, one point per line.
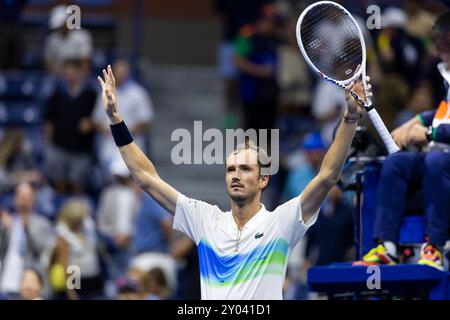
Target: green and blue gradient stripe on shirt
229	270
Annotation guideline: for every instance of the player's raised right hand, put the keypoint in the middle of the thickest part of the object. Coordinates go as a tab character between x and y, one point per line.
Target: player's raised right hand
108	85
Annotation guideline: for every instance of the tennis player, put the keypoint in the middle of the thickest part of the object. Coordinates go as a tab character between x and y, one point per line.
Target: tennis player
243	253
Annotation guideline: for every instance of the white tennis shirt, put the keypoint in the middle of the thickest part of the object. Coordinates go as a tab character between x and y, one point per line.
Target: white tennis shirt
241	265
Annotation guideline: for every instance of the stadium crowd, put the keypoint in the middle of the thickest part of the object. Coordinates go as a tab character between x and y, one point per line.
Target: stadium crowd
67	199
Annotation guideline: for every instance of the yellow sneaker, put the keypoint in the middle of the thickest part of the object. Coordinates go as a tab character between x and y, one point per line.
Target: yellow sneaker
431	256
376	256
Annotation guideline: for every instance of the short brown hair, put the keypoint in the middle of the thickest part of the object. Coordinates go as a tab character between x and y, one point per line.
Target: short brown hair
263	160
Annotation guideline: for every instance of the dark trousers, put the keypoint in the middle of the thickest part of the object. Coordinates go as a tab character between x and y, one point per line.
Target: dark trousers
406	171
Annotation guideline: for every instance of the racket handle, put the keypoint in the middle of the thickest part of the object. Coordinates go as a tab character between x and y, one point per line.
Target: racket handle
382	131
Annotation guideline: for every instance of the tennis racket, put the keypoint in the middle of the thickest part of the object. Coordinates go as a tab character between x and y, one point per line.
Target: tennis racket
333	45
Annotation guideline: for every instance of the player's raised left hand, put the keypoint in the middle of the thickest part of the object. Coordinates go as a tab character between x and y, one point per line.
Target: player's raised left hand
108	85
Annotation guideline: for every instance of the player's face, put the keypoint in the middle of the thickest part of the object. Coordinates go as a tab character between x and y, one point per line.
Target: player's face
243	176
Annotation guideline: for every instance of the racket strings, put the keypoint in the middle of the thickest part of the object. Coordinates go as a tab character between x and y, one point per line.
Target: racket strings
331	41
310	18
309	23
313	18
331	57
352	45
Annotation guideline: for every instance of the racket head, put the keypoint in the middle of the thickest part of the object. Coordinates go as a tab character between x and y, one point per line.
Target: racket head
339	69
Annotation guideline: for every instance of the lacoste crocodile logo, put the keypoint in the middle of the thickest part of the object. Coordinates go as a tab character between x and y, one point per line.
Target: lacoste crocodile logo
259	235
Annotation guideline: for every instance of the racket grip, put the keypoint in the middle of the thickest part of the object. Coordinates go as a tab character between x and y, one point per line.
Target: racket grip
382	131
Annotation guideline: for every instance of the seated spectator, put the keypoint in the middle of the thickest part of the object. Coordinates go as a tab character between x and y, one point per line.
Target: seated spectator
299	176
32	285
62	43
331	240
422	164
136	110
152	238
155	285
128	289
138	284
76	246
69	130
23	237
117	211
16	162
421	100
184	251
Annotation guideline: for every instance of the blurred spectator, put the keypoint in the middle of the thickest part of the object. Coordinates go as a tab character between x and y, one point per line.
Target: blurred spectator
419	20
293	74
143	285
10	34
256	58
77	245
156	286
328	108
234	14
23	237
295	286
63	44
422	165
332	239
128	288
153	227
398	51
16	162
151	241
185	253
117	210
393	94
69	130
32	284
136	109
421	100
336	218
306	169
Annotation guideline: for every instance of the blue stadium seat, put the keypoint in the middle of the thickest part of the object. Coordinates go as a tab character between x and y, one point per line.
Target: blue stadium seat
20	113
23	86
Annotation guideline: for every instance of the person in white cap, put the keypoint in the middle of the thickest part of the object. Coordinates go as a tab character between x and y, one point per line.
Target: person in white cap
399	52
63	44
